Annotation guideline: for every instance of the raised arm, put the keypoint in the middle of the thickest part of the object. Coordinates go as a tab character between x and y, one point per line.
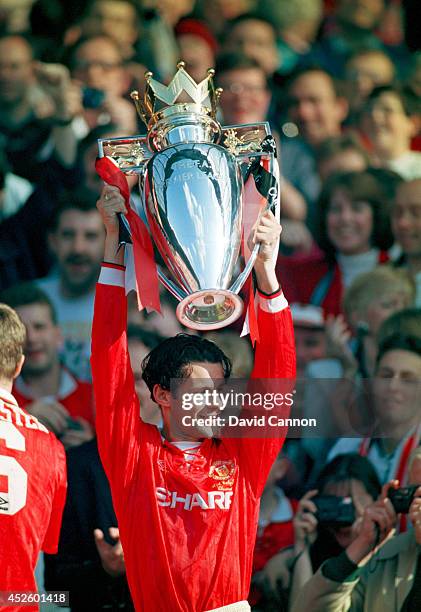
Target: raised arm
275	351
274	355
117	407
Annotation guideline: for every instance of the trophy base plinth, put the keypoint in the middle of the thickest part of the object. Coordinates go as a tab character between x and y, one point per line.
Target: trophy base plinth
209	309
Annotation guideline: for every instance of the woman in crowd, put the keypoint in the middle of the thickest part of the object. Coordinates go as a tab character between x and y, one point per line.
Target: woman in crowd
354	237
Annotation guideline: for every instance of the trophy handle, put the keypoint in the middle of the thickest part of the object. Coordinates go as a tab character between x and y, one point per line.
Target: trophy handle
241	279
272	203
178	293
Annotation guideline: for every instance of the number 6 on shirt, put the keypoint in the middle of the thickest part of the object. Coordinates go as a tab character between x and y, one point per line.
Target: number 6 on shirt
14	498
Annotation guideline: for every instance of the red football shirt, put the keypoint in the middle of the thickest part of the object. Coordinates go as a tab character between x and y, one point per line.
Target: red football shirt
32	496
187	527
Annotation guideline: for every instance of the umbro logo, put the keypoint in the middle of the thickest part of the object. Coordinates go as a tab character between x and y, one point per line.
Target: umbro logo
4	505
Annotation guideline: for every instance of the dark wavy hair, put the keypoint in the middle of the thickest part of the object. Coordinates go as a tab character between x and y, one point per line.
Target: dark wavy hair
399	342
350	466
374	186
173	358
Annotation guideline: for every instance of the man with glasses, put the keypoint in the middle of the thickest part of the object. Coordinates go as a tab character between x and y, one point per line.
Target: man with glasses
97	63
246	99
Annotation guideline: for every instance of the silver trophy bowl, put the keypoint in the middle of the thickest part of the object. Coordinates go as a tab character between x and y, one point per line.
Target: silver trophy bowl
191	186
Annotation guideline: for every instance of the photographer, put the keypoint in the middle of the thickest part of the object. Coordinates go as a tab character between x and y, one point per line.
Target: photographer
391	581
346	478
97	65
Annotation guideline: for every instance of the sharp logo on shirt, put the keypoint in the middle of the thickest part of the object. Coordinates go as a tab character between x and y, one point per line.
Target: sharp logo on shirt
223	472
211	500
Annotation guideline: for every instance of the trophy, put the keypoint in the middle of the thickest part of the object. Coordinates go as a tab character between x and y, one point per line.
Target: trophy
192	173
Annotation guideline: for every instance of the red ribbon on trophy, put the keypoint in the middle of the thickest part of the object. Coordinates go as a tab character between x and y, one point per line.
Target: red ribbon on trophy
266	186
147	284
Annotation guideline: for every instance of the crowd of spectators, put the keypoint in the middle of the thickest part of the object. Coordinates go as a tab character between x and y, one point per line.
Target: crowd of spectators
339	81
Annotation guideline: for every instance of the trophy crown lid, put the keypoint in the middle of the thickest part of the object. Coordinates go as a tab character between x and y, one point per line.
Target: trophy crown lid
203	94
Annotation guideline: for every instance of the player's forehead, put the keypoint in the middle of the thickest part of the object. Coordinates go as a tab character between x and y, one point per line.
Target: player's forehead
201	376
205	370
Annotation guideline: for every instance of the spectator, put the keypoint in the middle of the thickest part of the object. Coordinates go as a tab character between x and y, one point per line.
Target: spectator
406	225
37	105
365	70
89	563
395	405
404	322
368	302
253	36
349	477
246	99
218	12
354	235
318	110
97	63
351	28
24	253
118	19
33	473
348	359
197	47
246	94
315	105
77	241
390	123
45	388
356	580
343	153
297	23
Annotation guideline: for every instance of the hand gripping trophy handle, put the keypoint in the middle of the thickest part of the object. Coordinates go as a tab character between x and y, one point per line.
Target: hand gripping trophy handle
192	174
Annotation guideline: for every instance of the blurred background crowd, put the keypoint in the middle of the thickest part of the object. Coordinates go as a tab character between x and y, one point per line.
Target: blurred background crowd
340	83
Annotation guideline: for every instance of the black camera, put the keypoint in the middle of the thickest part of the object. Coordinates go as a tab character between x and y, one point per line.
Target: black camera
334	511
92	98
402	498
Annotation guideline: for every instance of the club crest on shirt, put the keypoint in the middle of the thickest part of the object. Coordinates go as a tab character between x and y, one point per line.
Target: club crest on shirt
222	471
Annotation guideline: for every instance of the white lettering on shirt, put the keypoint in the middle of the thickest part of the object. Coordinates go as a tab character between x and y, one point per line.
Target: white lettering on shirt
17	416
208	501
